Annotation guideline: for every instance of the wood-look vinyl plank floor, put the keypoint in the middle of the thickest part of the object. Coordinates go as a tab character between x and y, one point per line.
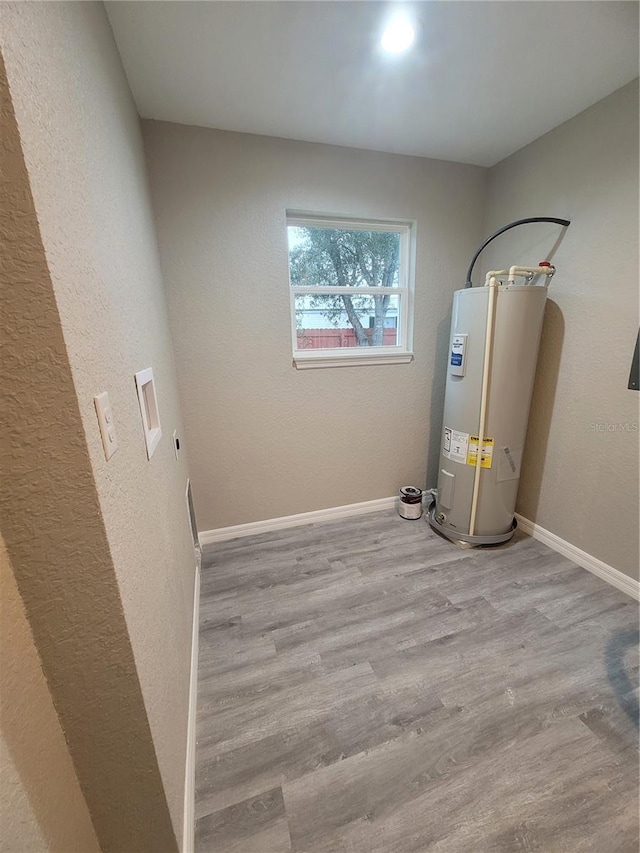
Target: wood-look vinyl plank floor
367	687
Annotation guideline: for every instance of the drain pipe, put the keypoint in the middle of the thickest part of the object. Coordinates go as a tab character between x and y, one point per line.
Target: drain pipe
492	283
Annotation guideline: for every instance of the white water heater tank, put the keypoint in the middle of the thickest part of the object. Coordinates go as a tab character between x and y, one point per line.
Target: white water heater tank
495	336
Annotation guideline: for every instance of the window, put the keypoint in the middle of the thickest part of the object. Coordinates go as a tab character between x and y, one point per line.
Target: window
351	283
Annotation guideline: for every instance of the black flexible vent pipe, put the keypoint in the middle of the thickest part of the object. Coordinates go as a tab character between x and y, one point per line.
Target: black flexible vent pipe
564	222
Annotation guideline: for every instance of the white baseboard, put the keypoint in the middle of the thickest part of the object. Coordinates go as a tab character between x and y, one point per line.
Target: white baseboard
190	767
613	576
208	537
581	558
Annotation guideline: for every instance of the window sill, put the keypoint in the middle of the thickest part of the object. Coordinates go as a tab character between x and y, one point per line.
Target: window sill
306	361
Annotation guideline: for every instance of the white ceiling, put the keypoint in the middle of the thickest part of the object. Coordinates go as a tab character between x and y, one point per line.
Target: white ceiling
483	79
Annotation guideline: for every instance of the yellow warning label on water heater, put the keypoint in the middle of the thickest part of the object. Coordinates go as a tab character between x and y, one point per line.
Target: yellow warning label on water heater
487	451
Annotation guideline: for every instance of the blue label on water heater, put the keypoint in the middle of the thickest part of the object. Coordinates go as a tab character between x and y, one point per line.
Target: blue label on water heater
456	361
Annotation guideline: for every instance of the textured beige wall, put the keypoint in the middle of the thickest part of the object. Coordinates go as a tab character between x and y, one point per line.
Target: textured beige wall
41	805
82	146
264	439
580	478
54	531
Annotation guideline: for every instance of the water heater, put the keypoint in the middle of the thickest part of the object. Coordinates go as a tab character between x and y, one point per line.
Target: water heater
491	366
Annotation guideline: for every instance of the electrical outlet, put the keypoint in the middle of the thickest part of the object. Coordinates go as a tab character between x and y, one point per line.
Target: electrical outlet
107	426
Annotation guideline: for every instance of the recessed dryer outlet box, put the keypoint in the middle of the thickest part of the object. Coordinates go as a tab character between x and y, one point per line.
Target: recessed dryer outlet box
148	401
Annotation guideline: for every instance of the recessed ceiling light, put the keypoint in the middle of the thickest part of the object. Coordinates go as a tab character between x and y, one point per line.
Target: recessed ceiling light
398	36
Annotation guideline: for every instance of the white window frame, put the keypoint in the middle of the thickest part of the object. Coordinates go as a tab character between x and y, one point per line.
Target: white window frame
360	356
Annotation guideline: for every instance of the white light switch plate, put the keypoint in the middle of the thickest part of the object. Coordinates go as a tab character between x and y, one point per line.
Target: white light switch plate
107	426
